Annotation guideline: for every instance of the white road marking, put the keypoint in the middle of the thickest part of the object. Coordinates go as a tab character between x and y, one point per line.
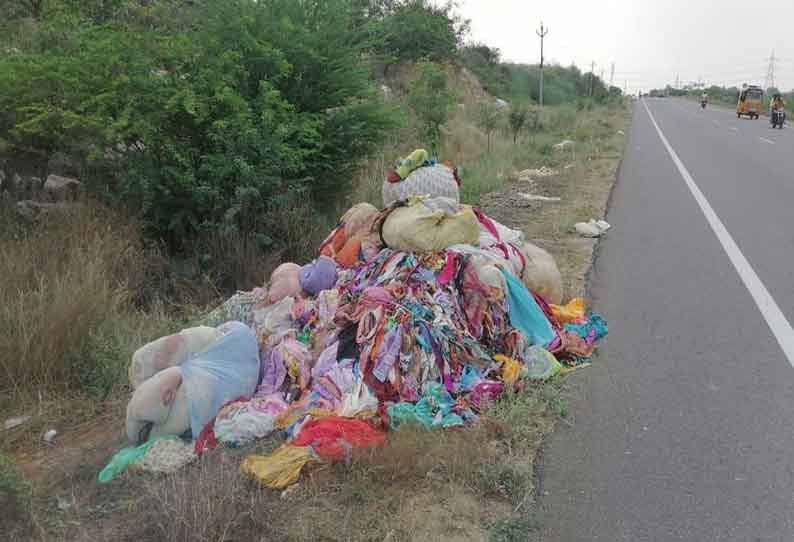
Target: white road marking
780	327
734	128
766	140
716	122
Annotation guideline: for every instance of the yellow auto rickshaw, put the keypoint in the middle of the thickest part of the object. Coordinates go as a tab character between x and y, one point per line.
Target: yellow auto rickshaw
751	102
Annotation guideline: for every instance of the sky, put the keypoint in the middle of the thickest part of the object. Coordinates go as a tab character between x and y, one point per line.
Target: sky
651	42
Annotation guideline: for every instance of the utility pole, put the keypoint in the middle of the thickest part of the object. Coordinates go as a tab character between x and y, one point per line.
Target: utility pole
541	34
612	74
592	74
769	82
677	82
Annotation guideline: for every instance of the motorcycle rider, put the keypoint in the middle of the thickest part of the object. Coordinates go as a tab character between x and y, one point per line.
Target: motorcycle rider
777	103
704	99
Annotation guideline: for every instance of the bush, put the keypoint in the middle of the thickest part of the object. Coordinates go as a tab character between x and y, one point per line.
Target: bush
201	116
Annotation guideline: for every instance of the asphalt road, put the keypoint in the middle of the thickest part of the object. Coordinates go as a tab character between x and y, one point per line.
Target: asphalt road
684	427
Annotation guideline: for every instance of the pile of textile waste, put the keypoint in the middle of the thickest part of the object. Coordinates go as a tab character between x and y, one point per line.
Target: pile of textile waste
420	313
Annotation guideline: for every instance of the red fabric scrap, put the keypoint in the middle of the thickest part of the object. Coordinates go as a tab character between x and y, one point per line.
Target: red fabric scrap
334	438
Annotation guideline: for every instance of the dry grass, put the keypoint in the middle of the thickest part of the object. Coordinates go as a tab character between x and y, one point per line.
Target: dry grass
65	277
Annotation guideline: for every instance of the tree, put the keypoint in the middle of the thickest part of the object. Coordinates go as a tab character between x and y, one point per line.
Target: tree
432	100
415	29
488	119
517	119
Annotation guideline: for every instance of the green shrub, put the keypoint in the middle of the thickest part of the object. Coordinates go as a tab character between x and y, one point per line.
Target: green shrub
204	116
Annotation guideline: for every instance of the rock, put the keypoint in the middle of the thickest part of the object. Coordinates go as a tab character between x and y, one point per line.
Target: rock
501	104
16	182
36	183
16	421
62	188
49	436
3	178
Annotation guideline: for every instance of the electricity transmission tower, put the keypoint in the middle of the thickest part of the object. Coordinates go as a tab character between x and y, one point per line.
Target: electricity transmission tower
541	34
769	82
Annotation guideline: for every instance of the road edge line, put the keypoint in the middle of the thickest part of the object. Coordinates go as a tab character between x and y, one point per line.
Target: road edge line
775	319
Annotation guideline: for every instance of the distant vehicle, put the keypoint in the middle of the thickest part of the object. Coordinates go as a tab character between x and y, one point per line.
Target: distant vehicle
750	102
778	118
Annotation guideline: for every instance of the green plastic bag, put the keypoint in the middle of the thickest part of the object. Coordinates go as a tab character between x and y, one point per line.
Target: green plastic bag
126	457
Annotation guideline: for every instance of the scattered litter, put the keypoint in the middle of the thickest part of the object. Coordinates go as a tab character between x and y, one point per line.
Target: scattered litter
569	166
529	174
49	436
65	503
167	456
621	132
536	197
564	144
16	421
594	228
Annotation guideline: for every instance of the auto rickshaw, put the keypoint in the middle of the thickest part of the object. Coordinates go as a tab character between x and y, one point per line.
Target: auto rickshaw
750	102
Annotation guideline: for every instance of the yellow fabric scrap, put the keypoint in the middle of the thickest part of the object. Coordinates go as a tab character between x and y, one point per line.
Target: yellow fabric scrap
573	312
511	369
281	468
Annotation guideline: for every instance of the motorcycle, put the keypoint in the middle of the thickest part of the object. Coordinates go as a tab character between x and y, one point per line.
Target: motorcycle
703	103
778	118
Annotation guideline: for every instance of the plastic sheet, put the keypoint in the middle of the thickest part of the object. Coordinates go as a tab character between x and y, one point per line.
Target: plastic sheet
226	370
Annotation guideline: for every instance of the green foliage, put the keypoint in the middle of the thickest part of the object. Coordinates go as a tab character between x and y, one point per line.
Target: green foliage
517	119
204	116
432	100
488	117
417	29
